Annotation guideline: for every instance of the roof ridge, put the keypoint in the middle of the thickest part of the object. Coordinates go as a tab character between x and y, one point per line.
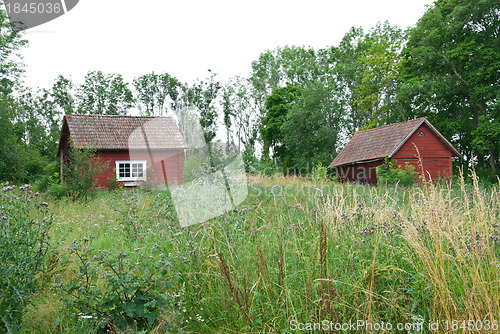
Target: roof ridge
392	124
128	116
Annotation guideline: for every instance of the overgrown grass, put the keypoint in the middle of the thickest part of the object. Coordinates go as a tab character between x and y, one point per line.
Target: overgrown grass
297	251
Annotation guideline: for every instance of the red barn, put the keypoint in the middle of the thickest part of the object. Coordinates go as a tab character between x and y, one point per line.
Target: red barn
403	142
131	149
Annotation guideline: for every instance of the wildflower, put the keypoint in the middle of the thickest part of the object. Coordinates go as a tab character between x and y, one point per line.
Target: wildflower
45	203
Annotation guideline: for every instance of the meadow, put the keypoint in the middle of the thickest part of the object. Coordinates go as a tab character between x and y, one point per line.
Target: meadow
296	255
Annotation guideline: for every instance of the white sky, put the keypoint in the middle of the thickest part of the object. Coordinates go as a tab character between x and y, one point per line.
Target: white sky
185	38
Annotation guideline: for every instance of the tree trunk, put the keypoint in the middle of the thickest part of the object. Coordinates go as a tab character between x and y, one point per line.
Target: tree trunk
492	159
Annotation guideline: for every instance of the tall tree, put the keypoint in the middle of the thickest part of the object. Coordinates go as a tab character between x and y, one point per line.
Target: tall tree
346	69
244	115
62	93
278	104
16	157
451	74
104	94
11	66
37	121
311	131
380	82
203	95
153	92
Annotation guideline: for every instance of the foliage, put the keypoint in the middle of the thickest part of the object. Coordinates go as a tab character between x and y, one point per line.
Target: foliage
113	183
318	173
104	94
122	293
379	85
239	112
268	167
11	66
450	74
396	254
277	106
50	177
62	94
38	121
24	245
390	173
250	160
79	173
203	95
312	129
19	161
153	90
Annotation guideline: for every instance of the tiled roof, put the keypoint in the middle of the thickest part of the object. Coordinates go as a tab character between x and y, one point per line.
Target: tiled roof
381	142
108	132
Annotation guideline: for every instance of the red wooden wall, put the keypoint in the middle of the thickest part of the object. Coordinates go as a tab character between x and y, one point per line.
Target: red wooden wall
162	166
434	155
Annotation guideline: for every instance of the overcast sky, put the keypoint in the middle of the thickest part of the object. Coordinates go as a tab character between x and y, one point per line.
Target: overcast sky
187	37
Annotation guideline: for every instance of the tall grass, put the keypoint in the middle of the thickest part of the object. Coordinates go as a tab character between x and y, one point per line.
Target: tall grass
300	251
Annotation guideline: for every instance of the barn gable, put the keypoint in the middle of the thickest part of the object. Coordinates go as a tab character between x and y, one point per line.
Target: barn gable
399	141
130	147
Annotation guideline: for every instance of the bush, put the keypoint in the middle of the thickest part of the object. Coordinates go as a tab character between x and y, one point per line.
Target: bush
318	173
267	167
113	183
50	177
120	291
80	171
250	161
390	173
24	242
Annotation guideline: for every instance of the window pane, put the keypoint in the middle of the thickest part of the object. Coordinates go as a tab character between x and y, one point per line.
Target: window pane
121	170
131	170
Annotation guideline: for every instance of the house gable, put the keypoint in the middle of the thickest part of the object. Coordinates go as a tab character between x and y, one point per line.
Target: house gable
426	152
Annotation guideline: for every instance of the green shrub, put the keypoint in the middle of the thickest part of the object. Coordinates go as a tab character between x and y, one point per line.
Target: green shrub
79	172
50	177
267	167
250	161
390	173
318	173
24	242
118	290
113	183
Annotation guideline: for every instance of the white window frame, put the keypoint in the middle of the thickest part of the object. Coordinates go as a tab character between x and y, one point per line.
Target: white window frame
131	178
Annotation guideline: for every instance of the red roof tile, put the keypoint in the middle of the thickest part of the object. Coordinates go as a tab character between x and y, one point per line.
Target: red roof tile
381	142
123	132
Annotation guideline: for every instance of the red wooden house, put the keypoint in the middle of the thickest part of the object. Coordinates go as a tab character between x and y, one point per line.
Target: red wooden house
416	142
130	149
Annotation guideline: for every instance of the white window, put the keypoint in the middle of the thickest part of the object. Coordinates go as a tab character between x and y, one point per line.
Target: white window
131	170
